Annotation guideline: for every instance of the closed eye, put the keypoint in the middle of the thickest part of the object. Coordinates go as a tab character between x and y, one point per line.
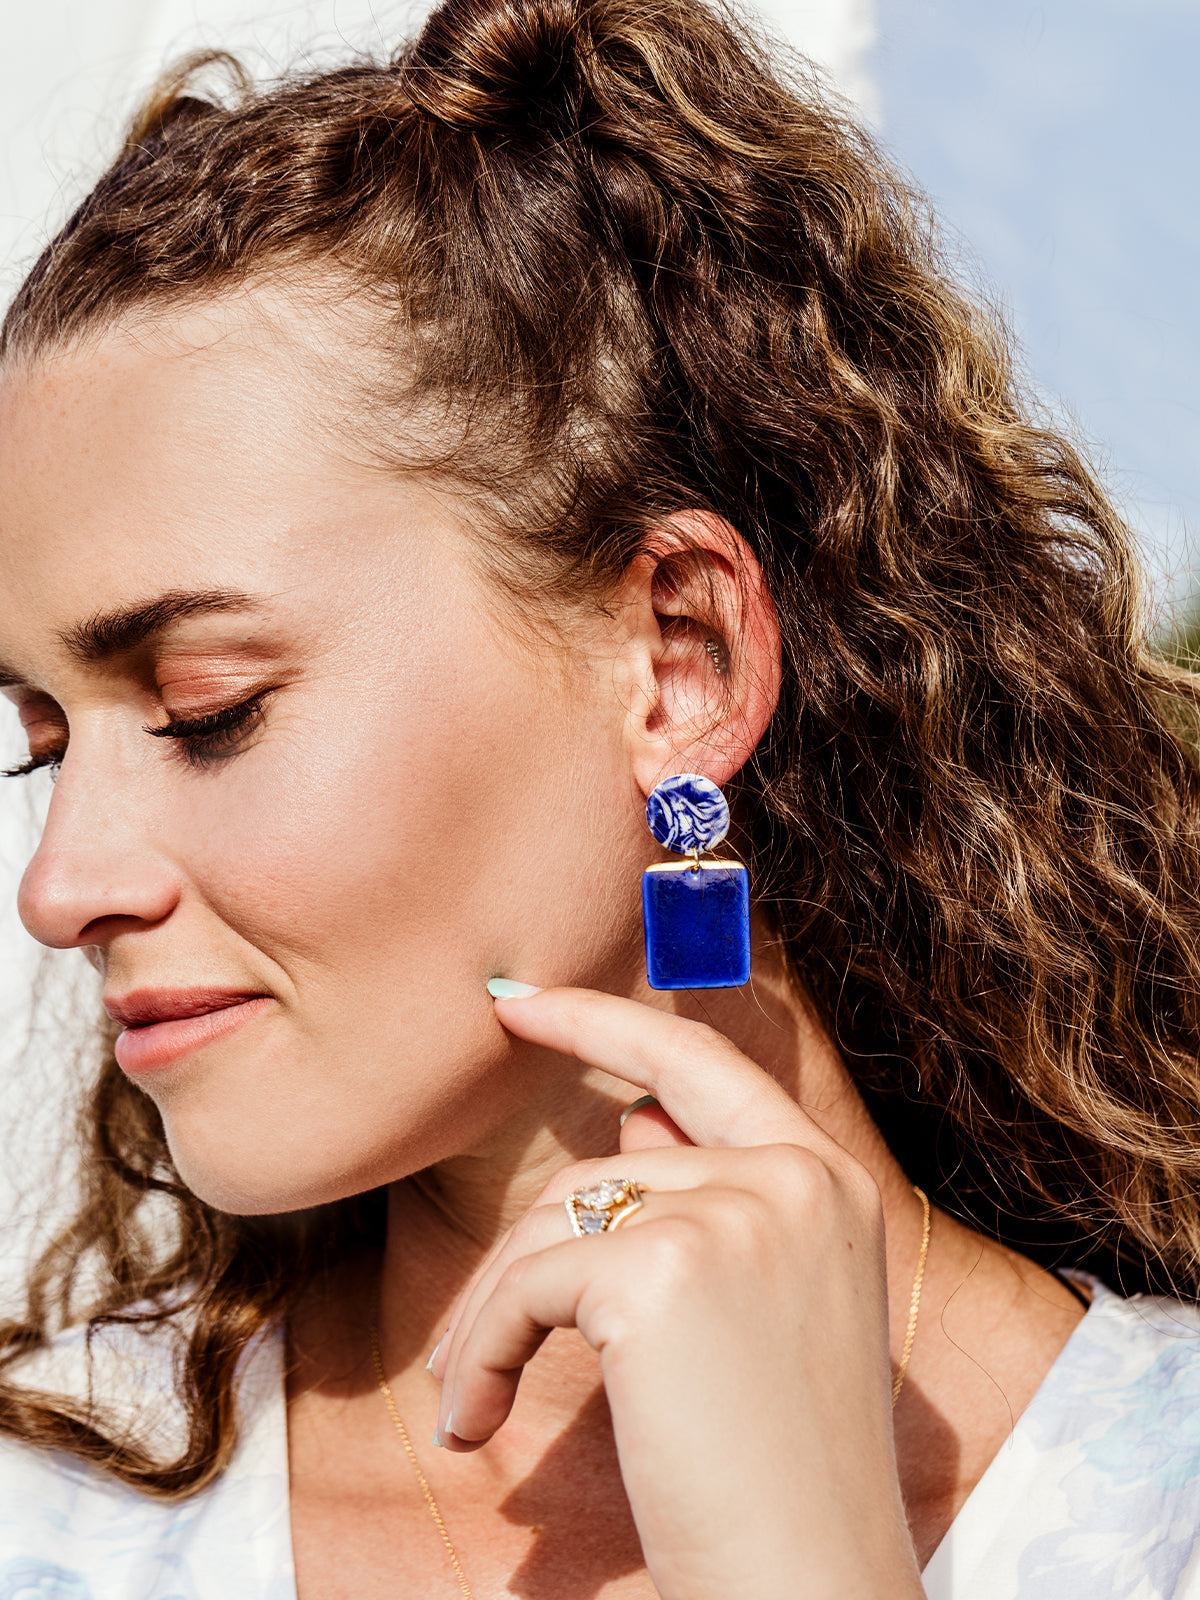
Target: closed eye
203	740
208	739
46	758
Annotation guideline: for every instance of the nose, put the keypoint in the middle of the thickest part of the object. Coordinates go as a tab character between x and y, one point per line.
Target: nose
96	870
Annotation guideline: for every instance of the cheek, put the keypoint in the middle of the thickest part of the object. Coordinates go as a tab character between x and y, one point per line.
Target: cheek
381	863
436	826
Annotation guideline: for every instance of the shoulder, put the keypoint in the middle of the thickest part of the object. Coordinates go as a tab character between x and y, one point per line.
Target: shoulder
70	1532
1097	1489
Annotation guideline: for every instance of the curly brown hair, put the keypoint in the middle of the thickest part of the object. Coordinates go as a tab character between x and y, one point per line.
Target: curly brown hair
637	265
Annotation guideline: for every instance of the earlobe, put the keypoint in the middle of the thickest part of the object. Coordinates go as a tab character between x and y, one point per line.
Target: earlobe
712	654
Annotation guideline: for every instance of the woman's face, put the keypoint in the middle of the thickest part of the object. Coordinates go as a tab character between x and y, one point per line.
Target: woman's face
425	797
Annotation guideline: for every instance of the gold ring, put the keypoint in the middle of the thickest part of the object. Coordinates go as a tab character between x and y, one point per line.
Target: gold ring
602	1206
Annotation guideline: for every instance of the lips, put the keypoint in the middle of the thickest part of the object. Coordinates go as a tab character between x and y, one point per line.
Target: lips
161	1025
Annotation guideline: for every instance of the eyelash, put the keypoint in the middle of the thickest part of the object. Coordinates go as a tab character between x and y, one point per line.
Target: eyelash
203	740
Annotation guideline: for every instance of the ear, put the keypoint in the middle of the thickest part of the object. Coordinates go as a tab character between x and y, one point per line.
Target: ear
703	645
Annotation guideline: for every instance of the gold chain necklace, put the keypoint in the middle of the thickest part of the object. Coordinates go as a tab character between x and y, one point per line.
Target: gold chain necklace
910	1333
434	1510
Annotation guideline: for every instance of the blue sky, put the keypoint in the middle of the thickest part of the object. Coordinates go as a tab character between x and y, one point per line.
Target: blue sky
1061	143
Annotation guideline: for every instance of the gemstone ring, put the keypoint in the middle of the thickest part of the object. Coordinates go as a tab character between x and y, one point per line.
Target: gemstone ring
602	1206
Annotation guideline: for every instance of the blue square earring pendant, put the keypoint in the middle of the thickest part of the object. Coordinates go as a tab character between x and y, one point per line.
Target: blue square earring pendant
696	913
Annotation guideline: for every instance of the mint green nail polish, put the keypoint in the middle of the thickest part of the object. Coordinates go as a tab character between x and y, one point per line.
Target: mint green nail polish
433	1357
510	989
646	1100
437	1438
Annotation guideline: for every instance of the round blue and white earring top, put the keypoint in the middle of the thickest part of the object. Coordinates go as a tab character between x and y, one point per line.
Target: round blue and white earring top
687	812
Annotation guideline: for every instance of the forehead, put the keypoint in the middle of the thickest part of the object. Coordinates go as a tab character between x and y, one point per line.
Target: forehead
148	407
214	448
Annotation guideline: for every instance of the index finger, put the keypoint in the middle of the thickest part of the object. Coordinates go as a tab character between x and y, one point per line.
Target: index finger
717	1095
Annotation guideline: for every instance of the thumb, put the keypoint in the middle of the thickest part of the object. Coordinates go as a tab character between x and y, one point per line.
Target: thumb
646	1126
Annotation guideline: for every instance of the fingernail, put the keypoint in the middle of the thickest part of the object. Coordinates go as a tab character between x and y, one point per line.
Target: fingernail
437	1438
433	1357
510	989
646	1100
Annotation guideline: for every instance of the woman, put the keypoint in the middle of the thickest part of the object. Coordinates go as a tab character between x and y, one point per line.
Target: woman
404	471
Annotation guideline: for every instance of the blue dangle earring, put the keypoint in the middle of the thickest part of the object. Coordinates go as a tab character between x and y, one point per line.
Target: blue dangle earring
697	913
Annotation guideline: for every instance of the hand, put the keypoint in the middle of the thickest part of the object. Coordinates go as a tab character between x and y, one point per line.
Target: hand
740	1317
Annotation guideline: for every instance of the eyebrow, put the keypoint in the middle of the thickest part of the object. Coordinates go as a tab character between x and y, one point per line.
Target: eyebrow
113	633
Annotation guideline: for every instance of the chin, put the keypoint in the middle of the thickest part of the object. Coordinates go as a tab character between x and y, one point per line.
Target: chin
263	1191
250	1178
288	1128
248	1166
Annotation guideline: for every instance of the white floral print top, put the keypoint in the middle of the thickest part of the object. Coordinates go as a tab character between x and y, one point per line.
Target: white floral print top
1095	1495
